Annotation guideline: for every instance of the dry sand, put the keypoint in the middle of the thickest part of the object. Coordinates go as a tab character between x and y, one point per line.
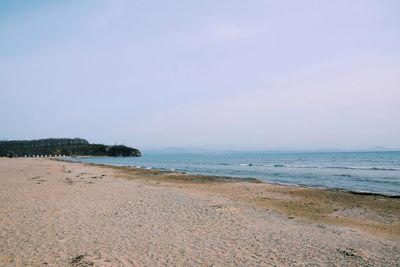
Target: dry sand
56	213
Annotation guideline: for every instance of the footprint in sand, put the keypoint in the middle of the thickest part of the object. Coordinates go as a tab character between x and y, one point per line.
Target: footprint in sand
69	181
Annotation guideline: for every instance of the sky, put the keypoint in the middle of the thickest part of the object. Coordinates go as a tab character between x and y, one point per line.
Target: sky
226	74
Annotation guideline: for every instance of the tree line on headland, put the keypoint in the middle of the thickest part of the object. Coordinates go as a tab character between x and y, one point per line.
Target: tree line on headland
63	147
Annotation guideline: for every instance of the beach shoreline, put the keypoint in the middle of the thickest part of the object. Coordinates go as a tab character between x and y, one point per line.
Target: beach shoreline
103	214
220	178
201	183
363	173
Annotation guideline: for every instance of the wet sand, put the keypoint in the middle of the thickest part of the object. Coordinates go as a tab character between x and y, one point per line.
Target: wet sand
56	213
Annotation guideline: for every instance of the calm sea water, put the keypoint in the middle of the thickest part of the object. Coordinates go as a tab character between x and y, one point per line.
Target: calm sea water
377	172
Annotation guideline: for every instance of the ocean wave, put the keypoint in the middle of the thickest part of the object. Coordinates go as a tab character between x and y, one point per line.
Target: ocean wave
343	175
361	168
327	167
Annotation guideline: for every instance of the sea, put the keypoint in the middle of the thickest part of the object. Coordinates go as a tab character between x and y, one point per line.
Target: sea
366	172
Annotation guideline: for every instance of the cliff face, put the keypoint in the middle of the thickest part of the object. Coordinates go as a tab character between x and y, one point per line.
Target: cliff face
63	146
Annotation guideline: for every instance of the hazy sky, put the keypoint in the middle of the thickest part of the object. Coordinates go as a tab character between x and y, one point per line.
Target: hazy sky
205	74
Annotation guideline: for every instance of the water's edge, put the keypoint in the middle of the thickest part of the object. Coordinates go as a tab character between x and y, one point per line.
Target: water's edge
233	179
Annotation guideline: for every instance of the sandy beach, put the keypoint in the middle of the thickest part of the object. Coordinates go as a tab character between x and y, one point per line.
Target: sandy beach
55	213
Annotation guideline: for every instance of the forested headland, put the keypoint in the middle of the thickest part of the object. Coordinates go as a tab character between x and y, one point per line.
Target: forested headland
63	147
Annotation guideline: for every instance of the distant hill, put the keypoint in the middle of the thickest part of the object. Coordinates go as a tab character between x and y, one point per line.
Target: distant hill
63	146
379	148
